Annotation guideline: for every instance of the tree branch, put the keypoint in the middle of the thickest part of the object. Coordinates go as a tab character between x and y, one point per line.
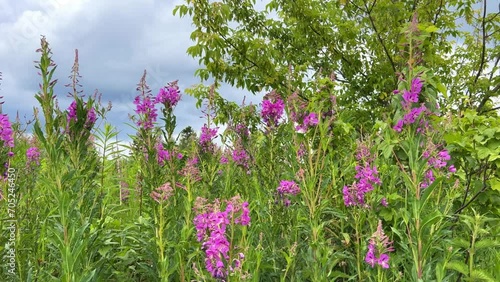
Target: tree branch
368	12
483	50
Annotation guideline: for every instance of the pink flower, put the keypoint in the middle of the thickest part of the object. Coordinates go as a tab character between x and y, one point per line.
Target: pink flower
272	112
383	202
162	193
169	96
33	155
378	248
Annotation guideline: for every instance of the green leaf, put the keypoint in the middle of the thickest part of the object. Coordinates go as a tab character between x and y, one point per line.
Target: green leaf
482	275
458	266
431	28
428	191
486	243
495	184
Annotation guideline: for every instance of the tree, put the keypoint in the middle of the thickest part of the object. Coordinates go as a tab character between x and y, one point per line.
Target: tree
360	42
186	138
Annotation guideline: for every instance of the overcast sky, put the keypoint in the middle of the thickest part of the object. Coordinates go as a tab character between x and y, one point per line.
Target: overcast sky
116	41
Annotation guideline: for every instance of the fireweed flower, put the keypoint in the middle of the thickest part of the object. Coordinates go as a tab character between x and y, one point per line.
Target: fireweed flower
287	188
162	193
241	158
145	108
411	97
206	137
169	96
310	120
6	132
437	162
162	155
211	227
378	248
383	202
272	112
72	115
190	170
223	160
33	155
367	177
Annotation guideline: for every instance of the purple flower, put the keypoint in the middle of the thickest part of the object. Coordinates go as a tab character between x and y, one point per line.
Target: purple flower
272	112
399	126
72	112
162	193
211	228
162	155
206	137
91	118
452	169
33	155
367	176
411	96
383	202
440	160
288	187
223	160
378	248
370	256
168	96
349	198
244	219
240	157
6	133
72	115
429	178
145	108
383	261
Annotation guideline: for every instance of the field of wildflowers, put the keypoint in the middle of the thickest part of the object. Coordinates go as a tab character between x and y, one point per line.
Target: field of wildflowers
292	192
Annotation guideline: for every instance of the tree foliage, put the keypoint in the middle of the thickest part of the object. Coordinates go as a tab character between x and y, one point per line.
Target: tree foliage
360	43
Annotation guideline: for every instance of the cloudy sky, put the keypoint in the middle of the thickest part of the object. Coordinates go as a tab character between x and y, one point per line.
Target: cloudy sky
116	41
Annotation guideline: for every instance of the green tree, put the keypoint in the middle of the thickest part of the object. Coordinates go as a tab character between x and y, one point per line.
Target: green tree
186	138
360	42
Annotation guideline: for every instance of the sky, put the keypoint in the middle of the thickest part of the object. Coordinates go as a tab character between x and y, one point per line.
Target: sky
116	42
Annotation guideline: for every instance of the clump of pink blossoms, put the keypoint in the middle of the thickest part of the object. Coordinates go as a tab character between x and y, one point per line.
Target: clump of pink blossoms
367	177
33	155
379	248
272	111
211	225
411	97
285	189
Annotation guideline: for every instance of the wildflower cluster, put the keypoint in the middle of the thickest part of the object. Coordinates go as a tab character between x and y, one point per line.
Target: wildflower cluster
272	112
190	170
6	133
285	189
411	97
436	161
206	137
169	96
367	176
90	119
33	155
309	120
302	119
240	157
145	107
378	248
145	103
162	193
162	154
211	225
